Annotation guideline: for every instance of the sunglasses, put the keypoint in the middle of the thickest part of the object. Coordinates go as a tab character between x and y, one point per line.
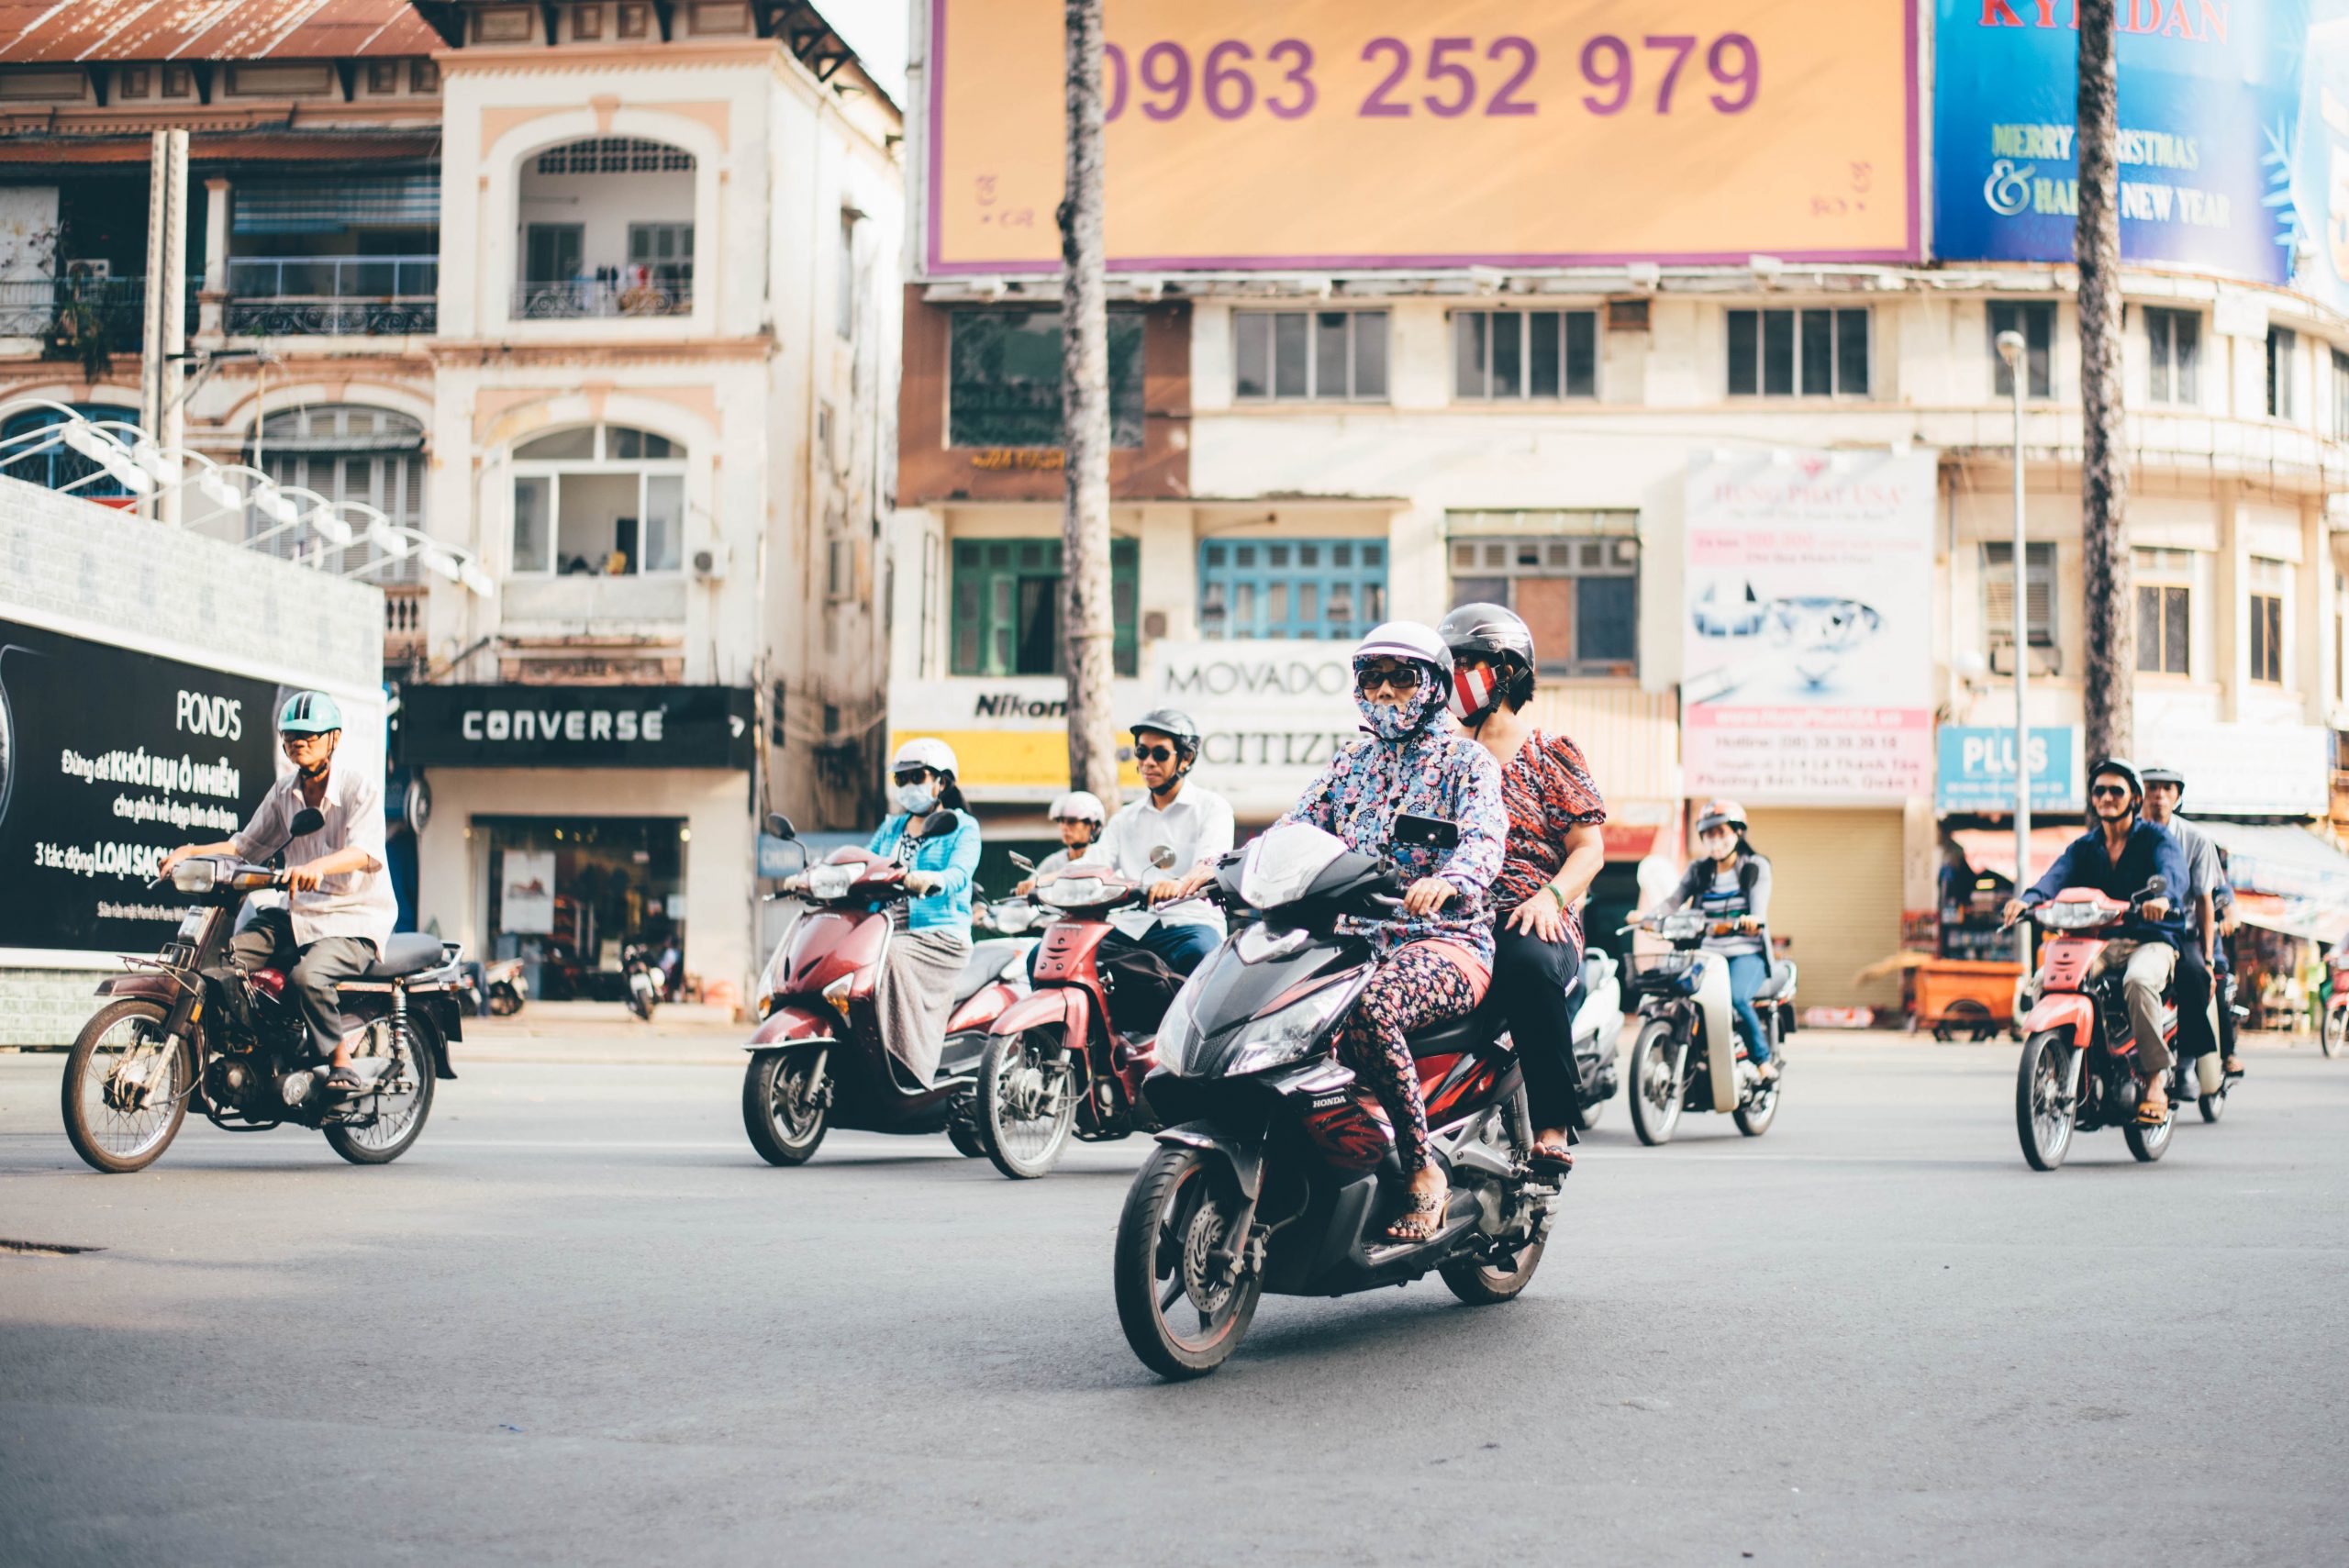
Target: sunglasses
1153	753
2108	792
1399	677
295	742
909	775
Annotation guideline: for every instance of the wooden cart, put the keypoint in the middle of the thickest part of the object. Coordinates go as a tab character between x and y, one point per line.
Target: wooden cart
1958	996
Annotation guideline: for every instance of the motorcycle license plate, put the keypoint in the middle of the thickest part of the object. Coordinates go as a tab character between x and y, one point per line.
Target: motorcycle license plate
191	926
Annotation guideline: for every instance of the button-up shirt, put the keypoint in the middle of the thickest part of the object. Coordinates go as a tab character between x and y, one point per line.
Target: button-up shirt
2148	852
1197	826
348	904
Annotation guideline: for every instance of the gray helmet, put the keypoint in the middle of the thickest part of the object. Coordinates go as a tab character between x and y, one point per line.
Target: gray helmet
2156	773
1172	723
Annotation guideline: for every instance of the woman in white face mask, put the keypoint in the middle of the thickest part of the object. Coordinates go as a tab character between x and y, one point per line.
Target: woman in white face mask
937	840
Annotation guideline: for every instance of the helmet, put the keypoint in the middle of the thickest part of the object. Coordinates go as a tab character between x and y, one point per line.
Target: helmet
1172	723
1078	805
1405	640
2156	773
1720	812
2126	768
309	712
1492	634
925	752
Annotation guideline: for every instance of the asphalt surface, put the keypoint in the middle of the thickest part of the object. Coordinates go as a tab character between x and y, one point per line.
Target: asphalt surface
582	1323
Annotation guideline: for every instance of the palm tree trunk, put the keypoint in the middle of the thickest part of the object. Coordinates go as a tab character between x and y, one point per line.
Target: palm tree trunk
2110	627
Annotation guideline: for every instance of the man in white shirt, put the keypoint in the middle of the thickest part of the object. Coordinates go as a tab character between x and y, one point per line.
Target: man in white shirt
1193	822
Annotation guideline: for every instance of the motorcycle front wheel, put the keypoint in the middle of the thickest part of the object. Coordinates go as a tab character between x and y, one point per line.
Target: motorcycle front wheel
124	1094
1026	1102
1181	1318
1655	1089
783	1105
2044	1110
2333	1038
2150	1143
395	1119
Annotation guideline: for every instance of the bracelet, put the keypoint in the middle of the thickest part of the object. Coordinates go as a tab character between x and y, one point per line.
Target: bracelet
1551	889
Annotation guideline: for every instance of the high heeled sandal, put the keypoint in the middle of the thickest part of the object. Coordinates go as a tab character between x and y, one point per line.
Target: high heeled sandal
1421	1221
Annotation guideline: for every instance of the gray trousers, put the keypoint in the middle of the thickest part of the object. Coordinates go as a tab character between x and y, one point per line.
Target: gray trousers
2142	983
314	973
916	995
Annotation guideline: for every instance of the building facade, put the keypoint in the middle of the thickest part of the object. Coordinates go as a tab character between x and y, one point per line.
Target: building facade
602	291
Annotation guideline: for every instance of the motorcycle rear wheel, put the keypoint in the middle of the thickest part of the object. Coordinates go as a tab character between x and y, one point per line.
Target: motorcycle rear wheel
1479	1284
1175	1215
2333	1038
397	1125
2212	1106
1754	1117
776	1088
1654	1089
113	1141
1017	1074
2044	1115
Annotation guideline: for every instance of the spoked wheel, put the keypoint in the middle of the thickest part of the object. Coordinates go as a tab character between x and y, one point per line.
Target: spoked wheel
1182	1310
1755	1114
2044	1109
124	1092
2212	1106
1655	1089
2333	1038
1495	1278
384	1124
785	1105
2150	1143
1026	1102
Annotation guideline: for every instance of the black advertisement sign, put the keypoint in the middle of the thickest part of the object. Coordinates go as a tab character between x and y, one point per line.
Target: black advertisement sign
573	727
108	759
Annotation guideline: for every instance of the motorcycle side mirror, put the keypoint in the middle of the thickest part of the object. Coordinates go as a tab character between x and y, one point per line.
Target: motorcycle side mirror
781	825
2154	889
1022	862
1161	857
306	821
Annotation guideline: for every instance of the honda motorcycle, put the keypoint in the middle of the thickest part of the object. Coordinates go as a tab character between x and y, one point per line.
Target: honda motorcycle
641	977
818	1058
1599	1033
1277	1168
1688	1054
1069	1058
2333	1037
188	1025
2079	1069
498	989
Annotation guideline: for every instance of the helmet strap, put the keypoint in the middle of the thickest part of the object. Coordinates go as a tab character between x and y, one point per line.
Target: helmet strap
1162	794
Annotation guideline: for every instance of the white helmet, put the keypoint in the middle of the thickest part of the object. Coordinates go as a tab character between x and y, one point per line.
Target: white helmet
925	752
1406	639
1078	805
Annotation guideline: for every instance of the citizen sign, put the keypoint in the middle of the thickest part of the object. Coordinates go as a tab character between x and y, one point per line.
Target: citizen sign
543	724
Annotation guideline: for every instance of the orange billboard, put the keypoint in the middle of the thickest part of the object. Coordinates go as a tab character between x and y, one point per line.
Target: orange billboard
1263	134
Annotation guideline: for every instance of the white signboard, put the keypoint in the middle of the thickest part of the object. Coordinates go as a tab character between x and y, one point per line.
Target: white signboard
1270	714
526	903
2245	770
1807	652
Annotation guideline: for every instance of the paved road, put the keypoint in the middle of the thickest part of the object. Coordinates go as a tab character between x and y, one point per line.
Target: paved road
582	1324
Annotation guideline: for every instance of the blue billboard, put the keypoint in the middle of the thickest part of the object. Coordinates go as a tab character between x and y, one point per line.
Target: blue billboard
1978	768
2209	118
2320	178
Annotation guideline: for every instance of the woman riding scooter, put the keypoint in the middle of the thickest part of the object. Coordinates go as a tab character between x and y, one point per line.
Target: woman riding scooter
1556	850
1731	883
937	840
1436	955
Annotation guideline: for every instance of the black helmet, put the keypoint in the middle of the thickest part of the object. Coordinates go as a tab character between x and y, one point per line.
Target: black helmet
1489	634
2127	770
1172	723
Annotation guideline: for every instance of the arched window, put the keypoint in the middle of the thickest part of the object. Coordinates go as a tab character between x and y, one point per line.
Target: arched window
607	229
52	463
600	499
345	451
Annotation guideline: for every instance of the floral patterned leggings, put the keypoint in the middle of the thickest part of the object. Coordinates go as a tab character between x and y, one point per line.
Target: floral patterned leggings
1413	988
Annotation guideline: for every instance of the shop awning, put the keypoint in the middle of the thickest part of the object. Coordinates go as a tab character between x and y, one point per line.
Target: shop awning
2293	916
2286	878
1993	848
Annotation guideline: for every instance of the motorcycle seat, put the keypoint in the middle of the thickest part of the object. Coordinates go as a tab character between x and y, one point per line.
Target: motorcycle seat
1781	980
1477	1031
984	968
406	953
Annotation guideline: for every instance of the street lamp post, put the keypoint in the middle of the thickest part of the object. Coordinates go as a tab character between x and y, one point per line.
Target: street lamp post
2010	349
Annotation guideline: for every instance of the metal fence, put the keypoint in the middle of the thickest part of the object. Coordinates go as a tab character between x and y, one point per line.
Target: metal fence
573	297
332	295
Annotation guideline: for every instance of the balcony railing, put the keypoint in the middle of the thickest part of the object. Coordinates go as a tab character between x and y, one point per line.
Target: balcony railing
332	295
573	297
404	637
78	317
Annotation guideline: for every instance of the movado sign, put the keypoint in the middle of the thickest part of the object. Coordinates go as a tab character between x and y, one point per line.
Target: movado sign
573	727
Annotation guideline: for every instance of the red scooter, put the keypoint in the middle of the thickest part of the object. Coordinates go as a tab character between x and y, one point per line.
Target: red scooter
1056	1063
818	1058
2079	1068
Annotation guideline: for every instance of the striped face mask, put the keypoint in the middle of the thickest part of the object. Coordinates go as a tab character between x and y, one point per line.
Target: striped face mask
1472	692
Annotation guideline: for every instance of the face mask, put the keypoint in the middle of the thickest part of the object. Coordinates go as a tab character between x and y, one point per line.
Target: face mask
1397	722
1472	694
914	799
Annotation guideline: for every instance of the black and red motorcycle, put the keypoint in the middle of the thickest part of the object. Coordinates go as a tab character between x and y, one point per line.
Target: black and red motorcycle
187	1025
1277	1170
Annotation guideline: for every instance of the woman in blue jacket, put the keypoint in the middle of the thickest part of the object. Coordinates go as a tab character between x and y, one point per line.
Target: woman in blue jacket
937	840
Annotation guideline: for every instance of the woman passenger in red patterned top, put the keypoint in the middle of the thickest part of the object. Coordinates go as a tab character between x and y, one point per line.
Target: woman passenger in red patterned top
1554	851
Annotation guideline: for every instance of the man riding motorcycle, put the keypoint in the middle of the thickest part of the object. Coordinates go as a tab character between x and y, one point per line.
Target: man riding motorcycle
2209	906
341	906
2118	857
1078	816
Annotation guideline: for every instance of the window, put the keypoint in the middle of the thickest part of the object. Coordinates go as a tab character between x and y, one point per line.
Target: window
613	155
665	251
2339	396
134	81
2271	584
2165	580
1329	355
1506	354
634	20
1580	596
1007	618
2035	319
382	76
1798	353
345	452
844	289
2176	337
278	79
178	82
424	77
587	21
1999	594
52	463
1004	379
602	500
1307	588
2281	342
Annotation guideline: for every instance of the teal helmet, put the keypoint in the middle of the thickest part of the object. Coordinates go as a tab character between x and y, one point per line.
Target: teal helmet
309	712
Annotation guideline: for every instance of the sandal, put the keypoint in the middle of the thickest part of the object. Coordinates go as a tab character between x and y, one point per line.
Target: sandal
2149	1114
1421	1219
346	1078
2231	1067
1553	1154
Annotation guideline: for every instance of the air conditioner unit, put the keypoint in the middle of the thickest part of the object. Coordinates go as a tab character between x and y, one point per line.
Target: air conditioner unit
94	268
712	561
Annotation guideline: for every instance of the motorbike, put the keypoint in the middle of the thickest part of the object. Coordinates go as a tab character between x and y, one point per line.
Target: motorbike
186	1025
818	1060
498	989
1599	1033
641	977
1276	1170
1688	1054
2333	1037
2079	1070
1069	1058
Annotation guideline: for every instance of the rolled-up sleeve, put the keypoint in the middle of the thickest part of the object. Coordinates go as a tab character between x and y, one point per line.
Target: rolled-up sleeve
362	826
266	832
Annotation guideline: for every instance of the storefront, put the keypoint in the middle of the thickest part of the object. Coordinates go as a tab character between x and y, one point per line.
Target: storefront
570	821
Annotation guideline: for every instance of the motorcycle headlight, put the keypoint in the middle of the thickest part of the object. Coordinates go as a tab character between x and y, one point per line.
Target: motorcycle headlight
195	876
1074	892
831	882
1178	1030
1279	1038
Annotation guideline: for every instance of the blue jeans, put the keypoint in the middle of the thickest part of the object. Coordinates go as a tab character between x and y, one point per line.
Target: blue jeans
1747	970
